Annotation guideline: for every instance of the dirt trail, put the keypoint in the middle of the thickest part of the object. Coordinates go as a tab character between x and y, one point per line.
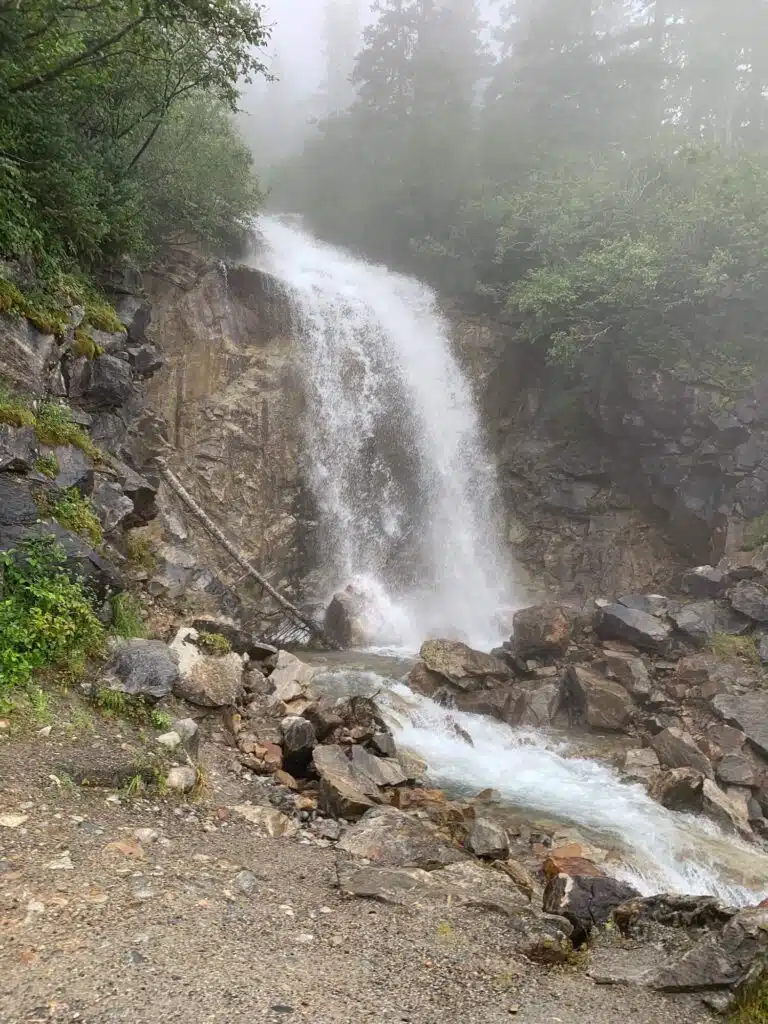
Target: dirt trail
170	928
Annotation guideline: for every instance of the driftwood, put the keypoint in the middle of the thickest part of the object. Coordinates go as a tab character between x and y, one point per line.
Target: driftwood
314	628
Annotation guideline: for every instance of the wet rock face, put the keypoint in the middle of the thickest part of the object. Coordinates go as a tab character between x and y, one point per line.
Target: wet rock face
461	666
596	701
587	902
543	630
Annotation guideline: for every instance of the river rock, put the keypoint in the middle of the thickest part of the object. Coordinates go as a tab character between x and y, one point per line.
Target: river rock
209	681
383	771
586	902
541	631
393	886
751	600
679	789
324	717
388	837
345	790
534	706
142	668
344	621
423	680
298	741
727	960
291	679
736	769
749	713
672	911
678	749
462	666
617	622
596	701
487	839
729	814
700	620
630	671
641	765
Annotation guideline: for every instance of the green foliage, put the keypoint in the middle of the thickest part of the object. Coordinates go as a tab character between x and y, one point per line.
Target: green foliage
135	710
139	552
96	95
46	617
84	345
755	533
54	426
48	465
126	616
14	411
214	643
732	647
752	1008
75	512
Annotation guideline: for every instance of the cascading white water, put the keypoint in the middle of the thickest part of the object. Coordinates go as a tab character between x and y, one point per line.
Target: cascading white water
405	491
655	849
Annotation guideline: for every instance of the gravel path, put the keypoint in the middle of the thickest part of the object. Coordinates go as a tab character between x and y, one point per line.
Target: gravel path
170	928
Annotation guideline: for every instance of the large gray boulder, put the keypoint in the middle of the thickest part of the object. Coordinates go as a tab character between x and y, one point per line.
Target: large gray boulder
648	633
209	681
586	901
345	790
488	839
18	449
751	599
749	713
541	631
678	749
142	668
597	702
390	838
460	665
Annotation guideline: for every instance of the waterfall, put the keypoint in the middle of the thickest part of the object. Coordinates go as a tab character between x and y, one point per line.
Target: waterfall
406	493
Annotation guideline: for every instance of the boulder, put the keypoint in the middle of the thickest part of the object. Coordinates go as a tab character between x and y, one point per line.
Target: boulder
595	701
678	749
541	631
679	790
109	383
461	666
736	769
700	620
383	771
181	779
725	737
142	668
18	449
141	491
17	509
630	671
762	649
361	719
145	359
650	604
749	713
211	682
240	640
672	911
729	814
112	506
641	765
344	619
751	600
487	839
727	960
298	741
703	582
345	790
586	902
644	631
534	706
323	715
422	680
388	837
392	886
291	677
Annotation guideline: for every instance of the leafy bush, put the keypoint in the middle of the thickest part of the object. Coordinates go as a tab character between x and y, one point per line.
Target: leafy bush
48	465
75	513
139	552
54	426
46	617
126	616
214	643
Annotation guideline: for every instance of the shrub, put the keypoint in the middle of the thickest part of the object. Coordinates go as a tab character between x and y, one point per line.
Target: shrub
74	512
139	553
48	465
15	411
214	643
752	1008
46	617
126	617
54	425
84	345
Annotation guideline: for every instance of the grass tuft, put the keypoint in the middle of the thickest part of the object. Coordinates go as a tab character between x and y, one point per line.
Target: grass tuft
15	411
126	617
139	553
214	644
48	465
54	426
74	512
730	647
752	1008
755	533
84	345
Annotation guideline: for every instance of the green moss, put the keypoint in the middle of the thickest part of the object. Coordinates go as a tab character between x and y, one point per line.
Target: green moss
126	617
755	533
139	552
15	411
11	299
732	647
54	425
752	1008
214	643
84	345
74	512
46	305
48	465
102	317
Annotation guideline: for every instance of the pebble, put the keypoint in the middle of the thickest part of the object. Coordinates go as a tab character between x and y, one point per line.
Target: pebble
147	835
45	731
169	740
304	938
181	779
62	863
13	820
246	882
